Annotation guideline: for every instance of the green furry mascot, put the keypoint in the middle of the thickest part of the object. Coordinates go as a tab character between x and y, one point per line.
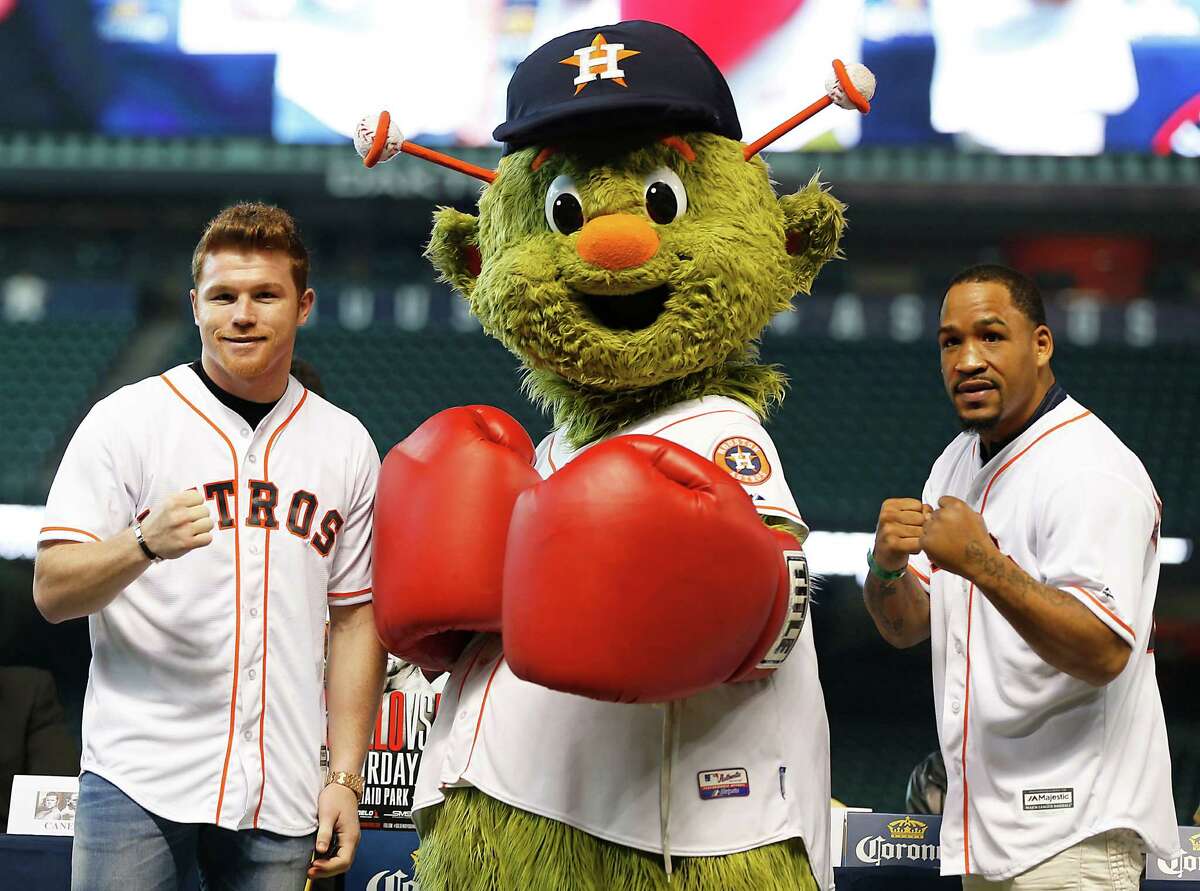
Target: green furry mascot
633	700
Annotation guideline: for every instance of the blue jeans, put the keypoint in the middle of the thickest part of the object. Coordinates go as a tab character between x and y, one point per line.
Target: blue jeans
121	846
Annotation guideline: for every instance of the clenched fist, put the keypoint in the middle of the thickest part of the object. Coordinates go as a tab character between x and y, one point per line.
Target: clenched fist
954	536
898	533
178	525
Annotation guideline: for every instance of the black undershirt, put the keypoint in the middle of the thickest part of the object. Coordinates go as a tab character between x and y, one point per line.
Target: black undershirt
1053	398
251	412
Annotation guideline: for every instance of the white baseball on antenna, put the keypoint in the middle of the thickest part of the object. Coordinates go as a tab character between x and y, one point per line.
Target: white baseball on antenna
364	138
862	78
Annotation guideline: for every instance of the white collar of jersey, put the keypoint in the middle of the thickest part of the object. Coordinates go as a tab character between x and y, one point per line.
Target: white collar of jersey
1061	413
189	385
563	452
694	407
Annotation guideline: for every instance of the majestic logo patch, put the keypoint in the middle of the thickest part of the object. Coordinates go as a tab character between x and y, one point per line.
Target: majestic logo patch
1048	799
743	459
728	782
599	62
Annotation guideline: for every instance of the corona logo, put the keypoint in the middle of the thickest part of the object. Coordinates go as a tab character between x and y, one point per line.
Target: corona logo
395	881
907	827
1187	865
876	850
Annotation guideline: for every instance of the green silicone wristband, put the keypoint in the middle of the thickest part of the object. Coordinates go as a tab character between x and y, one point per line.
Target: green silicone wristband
888	575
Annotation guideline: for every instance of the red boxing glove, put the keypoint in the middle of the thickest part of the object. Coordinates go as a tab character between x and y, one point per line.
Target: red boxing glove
788	611
441	518
641	572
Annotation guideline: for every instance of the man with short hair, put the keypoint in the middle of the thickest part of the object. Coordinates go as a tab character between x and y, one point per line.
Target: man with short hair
1032	562
206	520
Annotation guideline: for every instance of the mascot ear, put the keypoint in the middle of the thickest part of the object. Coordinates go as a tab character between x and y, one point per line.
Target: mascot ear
453	248
813	221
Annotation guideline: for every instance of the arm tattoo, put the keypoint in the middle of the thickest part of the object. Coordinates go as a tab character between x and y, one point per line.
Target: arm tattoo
996	567
1002	569
880	590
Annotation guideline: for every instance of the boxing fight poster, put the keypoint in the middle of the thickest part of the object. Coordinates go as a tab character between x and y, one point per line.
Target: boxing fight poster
406	712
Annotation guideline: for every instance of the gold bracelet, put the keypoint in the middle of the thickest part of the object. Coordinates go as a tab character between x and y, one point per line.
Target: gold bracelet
352	781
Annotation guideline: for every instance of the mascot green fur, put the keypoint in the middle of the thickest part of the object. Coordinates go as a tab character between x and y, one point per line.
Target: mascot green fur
633	700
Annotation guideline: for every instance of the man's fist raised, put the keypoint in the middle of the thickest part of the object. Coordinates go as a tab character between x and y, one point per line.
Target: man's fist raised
180	524
955	537
898	532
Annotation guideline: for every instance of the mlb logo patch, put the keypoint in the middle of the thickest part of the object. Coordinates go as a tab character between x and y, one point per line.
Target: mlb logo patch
729	782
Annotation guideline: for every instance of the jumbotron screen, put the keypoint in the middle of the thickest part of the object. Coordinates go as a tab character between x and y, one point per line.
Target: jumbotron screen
1062	77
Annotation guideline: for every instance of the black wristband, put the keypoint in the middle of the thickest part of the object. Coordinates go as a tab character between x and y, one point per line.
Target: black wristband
137	533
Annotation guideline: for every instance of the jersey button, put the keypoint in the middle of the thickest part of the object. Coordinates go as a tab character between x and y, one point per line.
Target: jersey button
253	674
254	549
252	459
254	612
954	706
958	647
247	735
245	431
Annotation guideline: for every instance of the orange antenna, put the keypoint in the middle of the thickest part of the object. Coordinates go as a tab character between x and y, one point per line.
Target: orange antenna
850	86
381	140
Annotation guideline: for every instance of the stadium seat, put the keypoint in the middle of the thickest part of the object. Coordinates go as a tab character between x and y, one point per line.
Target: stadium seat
52	371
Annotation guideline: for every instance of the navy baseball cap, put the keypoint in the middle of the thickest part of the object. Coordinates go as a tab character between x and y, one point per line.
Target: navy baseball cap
614	78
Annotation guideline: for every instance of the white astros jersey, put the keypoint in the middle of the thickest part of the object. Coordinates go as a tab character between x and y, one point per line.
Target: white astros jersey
204	699
1037	760
752	763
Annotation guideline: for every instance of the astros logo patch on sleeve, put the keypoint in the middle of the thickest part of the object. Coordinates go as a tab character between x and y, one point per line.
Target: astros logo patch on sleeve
743	459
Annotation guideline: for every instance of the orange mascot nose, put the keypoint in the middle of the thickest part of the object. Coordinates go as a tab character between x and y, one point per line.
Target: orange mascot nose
617	241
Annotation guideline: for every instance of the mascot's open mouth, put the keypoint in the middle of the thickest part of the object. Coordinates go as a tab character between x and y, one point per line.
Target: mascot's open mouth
626	312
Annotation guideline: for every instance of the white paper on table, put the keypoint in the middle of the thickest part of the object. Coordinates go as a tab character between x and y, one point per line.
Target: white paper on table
43	805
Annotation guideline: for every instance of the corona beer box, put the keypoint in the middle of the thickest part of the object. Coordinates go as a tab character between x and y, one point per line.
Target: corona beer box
874	840
383	862
1185	868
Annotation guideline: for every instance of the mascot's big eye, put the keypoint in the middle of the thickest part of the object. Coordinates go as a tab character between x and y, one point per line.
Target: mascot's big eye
564	210
666	198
